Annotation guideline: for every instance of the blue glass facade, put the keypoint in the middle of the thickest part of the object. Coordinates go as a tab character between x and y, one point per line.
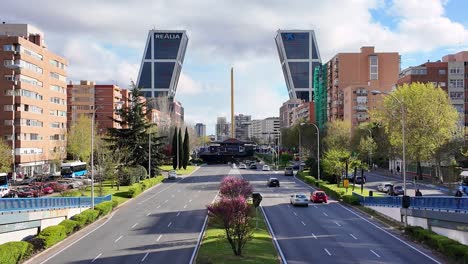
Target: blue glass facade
298	54
162	62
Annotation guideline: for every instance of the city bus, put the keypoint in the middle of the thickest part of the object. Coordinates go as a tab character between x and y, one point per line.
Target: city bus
73	169
4	188
464	182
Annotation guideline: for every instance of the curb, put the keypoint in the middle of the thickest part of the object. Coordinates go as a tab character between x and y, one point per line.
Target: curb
275	241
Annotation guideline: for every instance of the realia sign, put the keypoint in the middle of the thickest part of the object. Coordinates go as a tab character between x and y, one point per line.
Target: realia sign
167	36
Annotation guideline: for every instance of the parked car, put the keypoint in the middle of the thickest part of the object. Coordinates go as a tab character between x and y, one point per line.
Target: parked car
296	167
47	189
69	184
85	180
4	191
253	166
172	175
28	181
384	186
273	182
265	168
242	166
57	187
288	171
319	196
396	190
360	179
299	199
27	192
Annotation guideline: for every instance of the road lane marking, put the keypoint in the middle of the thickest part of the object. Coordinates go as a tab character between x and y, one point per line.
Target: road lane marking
374	253
159	237
169	224
143	259
166	201
353	236
390	234
178	190
96	257
172	196
178	214
148	214
198	190
325	214
158	206
289	206
314	235
190	201
328	252
275	240
338	224
303	223
134	225
295	213
115	241
315	206
185	206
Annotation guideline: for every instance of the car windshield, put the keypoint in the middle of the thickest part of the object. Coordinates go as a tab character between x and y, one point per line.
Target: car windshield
300	196
320	194
289	168
398	187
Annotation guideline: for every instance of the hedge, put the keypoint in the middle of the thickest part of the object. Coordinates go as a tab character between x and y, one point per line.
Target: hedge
80	219
85	217
69	225
115	203
52	235
457	252
104	208
138	188
14	252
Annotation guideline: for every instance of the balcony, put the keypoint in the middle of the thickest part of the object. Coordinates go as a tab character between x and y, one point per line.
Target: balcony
361	108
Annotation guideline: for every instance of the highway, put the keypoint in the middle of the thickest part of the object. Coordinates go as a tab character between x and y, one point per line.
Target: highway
161	225
328	233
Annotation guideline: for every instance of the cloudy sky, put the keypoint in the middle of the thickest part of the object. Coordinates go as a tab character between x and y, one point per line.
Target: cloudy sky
104	40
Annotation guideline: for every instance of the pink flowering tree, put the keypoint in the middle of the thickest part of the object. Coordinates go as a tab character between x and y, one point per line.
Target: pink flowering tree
232	187
234	215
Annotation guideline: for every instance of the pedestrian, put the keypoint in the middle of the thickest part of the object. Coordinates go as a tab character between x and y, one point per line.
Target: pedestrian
398	169
418	193
458	193
391	171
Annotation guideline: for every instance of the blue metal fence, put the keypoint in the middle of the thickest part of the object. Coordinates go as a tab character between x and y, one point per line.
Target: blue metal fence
430	203
22	204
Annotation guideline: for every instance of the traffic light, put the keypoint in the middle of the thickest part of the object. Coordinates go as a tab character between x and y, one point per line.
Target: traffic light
257	198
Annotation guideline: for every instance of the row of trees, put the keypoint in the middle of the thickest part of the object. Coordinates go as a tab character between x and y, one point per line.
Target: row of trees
431	133
180	149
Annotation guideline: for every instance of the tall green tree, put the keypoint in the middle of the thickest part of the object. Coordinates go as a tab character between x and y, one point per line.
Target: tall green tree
367	147
5	156
134	134
79	139
186	148
430	121
338	135
181	148
174	149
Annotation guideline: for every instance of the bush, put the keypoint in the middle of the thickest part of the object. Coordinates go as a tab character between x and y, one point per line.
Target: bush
70	193
134	191
52	235
115	203
104	208
91	215
14	252
80	219
131	175
69	225
350	199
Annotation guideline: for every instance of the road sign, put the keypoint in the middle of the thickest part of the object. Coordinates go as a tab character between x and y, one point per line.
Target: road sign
346	183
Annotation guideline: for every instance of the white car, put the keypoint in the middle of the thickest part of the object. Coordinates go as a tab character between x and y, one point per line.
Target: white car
299	199
384	186
265	168
242	166
172	175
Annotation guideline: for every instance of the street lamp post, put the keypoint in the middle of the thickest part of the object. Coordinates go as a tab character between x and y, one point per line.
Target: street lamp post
370	151
149	155
403	117
92	155
318	148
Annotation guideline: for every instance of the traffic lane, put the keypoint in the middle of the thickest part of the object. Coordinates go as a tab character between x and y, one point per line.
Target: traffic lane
84	250
374	180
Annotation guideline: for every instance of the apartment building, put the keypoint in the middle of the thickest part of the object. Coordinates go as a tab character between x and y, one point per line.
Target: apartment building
305	112
33	113
350	79
286	112
265	131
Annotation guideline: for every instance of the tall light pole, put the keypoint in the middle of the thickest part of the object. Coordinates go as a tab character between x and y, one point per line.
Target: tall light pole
92	154
149	155
403	117
318	148
370	150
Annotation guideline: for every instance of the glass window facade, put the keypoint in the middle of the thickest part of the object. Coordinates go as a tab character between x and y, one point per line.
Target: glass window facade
148	50
303	95
146	94
166	45
145	77
314	51
296	45
300	74
163	74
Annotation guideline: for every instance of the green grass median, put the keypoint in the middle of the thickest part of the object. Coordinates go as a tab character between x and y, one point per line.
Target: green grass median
216	249
182	171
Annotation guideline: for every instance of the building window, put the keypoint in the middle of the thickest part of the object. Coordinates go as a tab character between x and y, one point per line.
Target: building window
374	67
456	70
457	83
442	72
442	84
8	108
58	76
31	53
456	95
30	80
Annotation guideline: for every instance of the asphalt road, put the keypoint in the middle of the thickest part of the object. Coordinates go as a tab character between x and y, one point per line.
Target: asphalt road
328	233
373	179
160	226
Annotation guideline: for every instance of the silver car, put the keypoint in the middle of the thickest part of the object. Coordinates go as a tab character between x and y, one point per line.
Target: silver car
299	199
172	175
384	187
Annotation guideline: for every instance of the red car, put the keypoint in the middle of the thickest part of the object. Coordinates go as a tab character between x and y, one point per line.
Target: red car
47	189
27	192
318	196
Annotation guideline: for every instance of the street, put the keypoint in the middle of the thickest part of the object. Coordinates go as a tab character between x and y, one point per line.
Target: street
328	233
161	225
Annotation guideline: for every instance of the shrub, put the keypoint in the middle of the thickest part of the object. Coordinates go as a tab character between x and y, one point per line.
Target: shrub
130	175
115	203
70	193
134	191
91	215
52	235
80	219
350	199
232	187
104	208
14	252
69	225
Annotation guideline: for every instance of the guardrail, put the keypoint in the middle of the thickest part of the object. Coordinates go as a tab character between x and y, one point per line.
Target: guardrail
428	203
24	204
